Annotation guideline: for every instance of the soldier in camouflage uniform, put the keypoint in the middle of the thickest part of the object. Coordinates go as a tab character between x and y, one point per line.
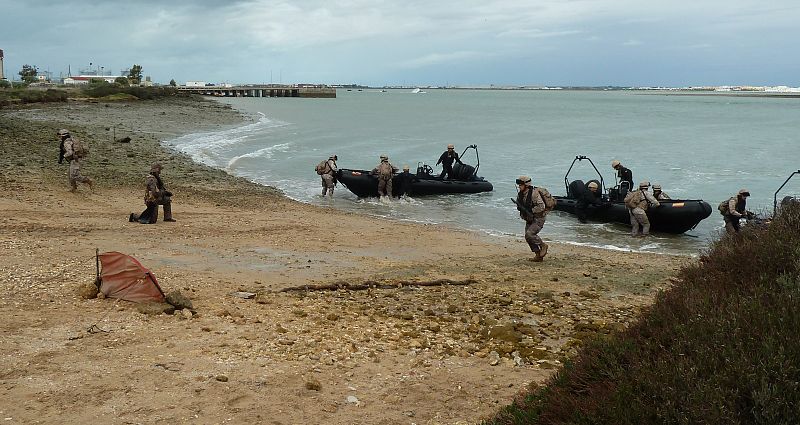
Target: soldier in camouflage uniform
736	209
329	176
155	194
75	154
532	209
638	202
659	194
385	172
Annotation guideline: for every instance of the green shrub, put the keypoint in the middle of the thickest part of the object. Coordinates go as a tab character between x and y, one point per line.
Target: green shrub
719	347
29	95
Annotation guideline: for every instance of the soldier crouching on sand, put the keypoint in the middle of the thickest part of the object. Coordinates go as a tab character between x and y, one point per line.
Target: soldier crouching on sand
75	152
532	209
155	194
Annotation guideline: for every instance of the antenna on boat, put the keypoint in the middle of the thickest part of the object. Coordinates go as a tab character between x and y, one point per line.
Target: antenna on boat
581	158
775	198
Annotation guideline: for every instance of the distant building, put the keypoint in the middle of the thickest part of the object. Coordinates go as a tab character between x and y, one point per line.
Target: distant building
2	68
195	84
77	80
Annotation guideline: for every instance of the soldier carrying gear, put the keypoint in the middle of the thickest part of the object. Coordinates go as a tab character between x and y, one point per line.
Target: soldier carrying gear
533	210
624	174
385	172
446	159
328	169
638	202
659	194
734	209
155	194
75	152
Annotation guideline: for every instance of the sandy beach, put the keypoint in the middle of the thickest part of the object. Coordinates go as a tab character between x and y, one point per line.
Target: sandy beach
393	354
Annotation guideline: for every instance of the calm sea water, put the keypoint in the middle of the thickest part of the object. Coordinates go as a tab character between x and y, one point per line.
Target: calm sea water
696	147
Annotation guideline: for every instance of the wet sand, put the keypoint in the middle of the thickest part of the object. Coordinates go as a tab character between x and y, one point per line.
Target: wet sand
396	353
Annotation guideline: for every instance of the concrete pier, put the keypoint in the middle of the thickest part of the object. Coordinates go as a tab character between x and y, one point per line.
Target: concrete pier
268	90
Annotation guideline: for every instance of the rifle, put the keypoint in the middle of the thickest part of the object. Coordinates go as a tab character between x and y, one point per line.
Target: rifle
522	208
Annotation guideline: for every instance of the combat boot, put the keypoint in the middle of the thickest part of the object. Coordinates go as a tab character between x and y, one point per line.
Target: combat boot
543	250
168	212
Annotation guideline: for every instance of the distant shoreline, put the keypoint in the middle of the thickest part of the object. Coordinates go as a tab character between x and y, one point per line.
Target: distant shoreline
664	92
723	94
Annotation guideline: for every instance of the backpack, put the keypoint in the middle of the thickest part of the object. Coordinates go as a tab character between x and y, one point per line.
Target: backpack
631	200
549	200
723	207
79	149
322	167
385	170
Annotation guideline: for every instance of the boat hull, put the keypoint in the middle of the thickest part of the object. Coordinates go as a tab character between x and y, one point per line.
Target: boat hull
672	216
365	185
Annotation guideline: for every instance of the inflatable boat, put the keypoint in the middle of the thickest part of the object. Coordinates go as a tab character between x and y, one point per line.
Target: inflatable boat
672	216
422	183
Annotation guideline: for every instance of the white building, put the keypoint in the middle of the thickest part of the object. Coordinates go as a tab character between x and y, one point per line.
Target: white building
77	80
195	84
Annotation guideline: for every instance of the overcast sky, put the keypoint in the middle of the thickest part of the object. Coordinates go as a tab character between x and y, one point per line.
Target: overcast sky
413	42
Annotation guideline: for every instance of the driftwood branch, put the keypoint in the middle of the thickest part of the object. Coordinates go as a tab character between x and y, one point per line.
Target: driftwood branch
371	284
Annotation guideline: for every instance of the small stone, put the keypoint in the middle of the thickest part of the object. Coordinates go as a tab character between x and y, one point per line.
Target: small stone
180	301
154	308
535	309
244	295
313	384
494	358
221	378
87	291
186	313
353	400
518	361
586	274
332	317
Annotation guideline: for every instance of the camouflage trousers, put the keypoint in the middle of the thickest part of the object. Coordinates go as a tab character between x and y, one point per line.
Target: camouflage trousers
639	219
732	224
384	187
327	184
75	175
532	229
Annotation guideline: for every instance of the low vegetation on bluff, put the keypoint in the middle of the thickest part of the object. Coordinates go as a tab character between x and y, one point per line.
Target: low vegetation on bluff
96	90
720	346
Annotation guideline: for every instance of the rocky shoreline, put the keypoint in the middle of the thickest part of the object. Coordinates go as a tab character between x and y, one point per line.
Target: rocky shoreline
393	353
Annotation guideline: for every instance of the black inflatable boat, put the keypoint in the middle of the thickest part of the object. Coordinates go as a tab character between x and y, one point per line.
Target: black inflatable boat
422	183
672	216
